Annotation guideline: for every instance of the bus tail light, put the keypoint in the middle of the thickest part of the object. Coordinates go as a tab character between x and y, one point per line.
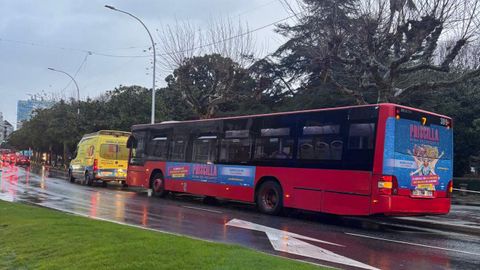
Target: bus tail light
449	189
95	165
388	185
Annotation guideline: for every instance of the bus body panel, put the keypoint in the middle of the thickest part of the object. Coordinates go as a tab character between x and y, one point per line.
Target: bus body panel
405	206
137	177
343	191
385	111
408	146
317	190
346	204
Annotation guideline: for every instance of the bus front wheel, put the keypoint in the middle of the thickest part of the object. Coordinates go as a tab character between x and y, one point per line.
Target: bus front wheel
270	198
158	185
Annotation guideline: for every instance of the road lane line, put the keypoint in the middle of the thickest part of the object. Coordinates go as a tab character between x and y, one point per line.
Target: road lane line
292	243
202	209
412	244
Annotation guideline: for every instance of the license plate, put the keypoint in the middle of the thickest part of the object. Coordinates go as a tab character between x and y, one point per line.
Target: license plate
106	173
422	193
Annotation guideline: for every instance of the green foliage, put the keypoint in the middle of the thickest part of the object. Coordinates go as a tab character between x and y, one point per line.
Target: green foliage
461	104
52	129
209	82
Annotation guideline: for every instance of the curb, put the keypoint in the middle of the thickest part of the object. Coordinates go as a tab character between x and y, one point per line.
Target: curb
50	172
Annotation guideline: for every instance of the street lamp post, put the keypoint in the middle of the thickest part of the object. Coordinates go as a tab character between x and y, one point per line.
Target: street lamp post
73	79
154	56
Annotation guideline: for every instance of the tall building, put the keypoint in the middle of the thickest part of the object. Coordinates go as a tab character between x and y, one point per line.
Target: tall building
7	129
26	108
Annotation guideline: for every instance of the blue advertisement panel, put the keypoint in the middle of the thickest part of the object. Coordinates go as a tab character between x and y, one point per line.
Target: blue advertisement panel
211	173
421	157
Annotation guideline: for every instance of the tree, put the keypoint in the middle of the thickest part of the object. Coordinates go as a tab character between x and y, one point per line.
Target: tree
360	47
58	129
208	82
185	40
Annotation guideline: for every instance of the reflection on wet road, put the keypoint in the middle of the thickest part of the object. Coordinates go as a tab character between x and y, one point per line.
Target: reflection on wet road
320	239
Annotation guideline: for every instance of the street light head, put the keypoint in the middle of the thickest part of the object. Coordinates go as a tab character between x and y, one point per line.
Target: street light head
51	69
110	7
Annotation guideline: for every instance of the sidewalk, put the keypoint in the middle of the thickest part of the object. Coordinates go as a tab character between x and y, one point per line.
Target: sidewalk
464	216
49	171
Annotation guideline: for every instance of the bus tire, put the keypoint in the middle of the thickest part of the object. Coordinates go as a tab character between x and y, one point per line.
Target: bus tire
88	179
157	183
269	198
70	177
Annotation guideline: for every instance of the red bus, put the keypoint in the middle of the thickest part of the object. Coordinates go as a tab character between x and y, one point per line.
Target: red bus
360	160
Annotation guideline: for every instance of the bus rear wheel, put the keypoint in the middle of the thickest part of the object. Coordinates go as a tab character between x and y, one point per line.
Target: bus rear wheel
158	185
269	198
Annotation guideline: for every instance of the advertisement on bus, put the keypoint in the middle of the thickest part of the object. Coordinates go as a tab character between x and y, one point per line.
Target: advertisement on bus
212	173
419	156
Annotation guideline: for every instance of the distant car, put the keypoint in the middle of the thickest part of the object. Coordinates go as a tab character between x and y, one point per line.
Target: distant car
22	161
12	158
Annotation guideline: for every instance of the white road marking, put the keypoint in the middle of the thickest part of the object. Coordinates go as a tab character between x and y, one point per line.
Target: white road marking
289	242
412	244
202	209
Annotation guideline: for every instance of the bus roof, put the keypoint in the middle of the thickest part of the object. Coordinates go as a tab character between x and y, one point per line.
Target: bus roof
139	126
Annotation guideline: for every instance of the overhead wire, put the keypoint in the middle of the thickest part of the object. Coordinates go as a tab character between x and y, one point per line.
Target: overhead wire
78	70
97	53
93	52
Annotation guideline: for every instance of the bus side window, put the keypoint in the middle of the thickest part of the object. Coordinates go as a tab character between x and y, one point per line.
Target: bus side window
320	142
178	147
274	139
361	143
205	149
235	146
361	136
158	147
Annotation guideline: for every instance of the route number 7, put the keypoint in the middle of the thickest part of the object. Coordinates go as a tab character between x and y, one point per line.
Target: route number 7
424	121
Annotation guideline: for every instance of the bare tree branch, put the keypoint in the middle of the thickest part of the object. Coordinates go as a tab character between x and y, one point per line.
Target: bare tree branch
438	84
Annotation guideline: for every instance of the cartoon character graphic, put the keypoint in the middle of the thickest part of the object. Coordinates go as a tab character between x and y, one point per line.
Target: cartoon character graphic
426	158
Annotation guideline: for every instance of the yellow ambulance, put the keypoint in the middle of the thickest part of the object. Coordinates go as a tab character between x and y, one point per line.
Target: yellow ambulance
100	156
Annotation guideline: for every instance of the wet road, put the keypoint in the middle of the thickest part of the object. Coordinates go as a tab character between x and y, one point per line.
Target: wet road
339	242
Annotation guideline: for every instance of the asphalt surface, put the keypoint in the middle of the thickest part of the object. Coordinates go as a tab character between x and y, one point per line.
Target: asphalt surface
340	242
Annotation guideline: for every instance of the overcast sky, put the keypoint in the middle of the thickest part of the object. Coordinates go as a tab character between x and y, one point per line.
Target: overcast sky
35	35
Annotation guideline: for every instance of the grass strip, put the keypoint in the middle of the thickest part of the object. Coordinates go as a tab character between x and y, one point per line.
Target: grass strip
37	238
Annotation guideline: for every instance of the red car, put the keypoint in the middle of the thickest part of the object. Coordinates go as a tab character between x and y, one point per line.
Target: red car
12	158
22	160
